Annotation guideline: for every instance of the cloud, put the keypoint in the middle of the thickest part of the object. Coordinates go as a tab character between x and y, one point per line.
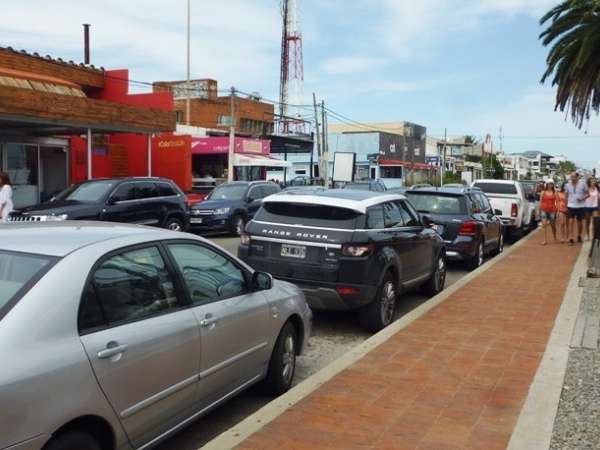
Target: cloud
352	64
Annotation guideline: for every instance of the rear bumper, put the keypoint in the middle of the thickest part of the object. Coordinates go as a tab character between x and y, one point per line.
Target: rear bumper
325	296
508	221
464	247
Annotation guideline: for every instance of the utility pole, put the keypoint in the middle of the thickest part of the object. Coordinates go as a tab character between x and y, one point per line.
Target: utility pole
325	145
188	93
318	137
443	171
231	152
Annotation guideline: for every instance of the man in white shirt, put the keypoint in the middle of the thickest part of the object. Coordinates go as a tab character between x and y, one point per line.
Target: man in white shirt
577	192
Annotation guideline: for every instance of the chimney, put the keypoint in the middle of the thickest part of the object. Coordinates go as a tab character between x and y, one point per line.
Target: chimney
86	43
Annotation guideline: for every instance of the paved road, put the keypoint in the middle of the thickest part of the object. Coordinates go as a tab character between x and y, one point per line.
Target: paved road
333	335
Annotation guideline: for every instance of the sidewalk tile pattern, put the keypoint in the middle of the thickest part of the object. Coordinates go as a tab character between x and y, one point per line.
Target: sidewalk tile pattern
456	378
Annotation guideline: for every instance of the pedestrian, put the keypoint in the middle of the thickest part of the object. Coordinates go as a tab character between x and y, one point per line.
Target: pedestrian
6	202
548	209
591	205
577	192
563	211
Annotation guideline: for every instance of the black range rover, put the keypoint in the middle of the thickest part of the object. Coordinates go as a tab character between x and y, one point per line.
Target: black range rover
347	250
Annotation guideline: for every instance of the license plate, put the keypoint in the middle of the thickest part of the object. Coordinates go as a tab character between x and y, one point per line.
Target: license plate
293	251
195	220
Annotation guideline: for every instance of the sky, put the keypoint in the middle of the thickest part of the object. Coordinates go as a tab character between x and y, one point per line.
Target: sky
465	66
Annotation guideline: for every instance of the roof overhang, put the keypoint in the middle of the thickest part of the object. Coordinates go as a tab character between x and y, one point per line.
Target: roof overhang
35	113
245	160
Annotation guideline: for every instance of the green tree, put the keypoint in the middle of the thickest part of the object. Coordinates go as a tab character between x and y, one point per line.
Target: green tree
492	167
573	62
471	140
565	168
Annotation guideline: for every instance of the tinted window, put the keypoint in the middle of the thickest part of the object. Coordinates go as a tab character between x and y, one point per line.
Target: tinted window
485	204
308	215
207	274
130	286
436	204
125	192
497	188
257	192
91	192
146	190
375	219
409	216
16	270
476	204
392	215
166	190
272	189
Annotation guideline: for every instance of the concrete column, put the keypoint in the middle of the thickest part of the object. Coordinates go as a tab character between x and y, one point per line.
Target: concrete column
89	153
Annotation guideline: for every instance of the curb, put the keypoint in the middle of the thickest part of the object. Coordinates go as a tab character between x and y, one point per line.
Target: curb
536	421
253	423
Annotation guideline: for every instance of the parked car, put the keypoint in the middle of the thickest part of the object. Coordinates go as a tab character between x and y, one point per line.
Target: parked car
508	197
397	190
230	205
300	180
370	185
465	219
532	194
454	185
145	201
347	250
120	335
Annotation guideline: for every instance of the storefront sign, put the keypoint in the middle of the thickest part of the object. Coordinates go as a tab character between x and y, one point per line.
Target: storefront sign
220	145
165	144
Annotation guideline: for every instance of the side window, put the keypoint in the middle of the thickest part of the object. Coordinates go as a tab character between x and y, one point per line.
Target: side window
207	274
125	192
146	190
409	215
128	287
392	215
375	219
165	190
485	203
257	193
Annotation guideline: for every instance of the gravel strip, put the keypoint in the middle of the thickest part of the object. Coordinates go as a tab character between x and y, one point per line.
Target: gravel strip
577	423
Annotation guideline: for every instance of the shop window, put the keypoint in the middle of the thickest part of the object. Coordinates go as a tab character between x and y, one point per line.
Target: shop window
179	116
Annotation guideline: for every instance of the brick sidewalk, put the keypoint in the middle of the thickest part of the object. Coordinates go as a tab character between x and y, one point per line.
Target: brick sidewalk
455	378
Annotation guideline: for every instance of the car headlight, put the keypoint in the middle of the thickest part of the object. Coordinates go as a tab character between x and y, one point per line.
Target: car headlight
221	211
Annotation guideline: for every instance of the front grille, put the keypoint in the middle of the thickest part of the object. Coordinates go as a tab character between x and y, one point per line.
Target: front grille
202	212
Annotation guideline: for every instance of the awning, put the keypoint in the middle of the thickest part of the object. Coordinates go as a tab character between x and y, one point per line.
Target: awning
258	161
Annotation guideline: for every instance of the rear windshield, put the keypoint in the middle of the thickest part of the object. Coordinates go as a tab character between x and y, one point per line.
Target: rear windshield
308	215
437	204
497	188
17	270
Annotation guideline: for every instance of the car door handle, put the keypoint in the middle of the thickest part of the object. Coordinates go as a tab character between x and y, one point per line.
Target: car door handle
208	323
111	350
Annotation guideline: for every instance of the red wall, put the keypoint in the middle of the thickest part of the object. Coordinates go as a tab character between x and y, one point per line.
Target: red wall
172	158
101	165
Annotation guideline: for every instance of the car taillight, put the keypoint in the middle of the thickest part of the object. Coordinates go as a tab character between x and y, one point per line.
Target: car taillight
514	210
245	239
357	250
468	228
344	290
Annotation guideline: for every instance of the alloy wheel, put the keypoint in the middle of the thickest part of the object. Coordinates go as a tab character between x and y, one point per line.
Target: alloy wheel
388	302
239	226
289	358
440	274
480	255
174	226
501	244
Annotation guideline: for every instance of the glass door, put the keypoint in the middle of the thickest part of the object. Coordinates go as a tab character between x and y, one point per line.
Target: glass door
21	163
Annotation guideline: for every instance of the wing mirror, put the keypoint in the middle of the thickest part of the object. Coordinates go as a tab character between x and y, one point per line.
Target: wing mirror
426	221
262	281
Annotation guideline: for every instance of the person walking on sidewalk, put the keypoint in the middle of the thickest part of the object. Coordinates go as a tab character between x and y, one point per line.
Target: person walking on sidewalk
6	203
577	192
563	211
591	205
549	210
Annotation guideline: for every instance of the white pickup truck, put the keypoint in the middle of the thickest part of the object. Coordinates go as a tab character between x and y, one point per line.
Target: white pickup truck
518	213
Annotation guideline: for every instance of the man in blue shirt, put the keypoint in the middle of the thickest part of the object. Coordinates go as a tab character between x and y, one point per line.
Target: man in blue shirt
577	192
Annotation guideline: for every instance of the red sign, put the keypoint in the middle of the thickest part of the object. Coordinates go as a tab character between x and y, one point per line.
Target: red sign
220	145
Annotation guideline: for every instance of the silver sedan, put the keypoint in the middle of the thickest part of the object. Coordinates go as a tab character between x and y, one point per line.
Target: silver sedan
114	337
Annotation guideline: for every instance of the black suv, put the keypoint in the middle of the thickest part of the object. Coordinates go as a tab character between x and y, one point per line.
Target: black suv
230	205
465	220
144	201
347	250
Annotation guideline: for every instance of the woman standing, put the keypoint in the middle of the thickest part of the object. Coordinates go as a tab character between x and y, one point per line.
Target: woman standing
549	209
6	203
591	204
563	214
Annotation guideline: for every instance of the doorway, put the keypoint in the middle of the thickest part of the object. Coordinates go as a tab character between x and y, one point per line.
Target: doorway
53	171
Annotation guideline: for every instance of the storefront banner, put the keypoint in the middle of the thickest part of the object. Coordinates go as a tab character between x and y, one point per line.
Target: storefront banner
220	145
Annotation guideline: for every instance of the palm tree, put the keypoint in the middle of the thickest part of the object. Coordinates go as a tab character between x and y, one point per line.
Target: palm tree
573	29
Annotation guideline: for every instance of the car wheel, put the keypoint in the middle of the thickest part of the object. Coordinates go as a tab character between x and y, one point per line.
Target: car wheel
283	361
239	225
380	312
477	260
500	248
174	224
73	440
437	282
